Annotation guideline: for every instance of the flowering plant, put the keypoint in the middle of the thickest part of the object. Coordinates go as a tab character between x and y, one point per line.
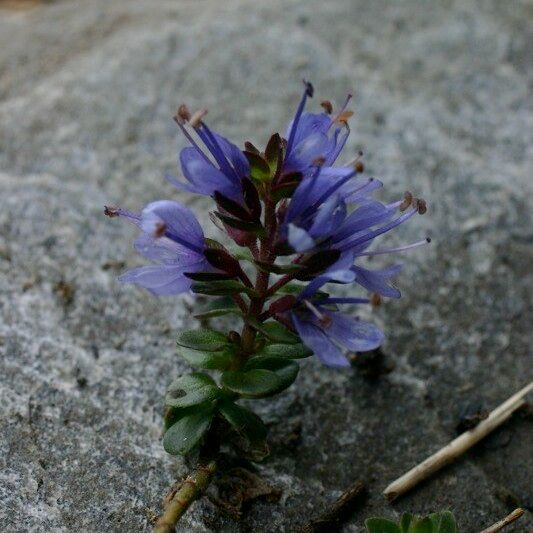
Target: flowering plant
302	225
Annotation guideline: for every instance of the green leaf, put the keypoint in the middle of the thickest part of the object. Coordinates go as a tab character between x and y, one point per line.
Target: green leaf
202	339
292	287
259	168
192	389
251	227
243	254
261	377
252	384
284	191
275	332
220	360
221	288
277	269
273	151
218	307
211	243
285	369
246	422
443	522
381	525
295	288
405	521
187	432
292	351
421	525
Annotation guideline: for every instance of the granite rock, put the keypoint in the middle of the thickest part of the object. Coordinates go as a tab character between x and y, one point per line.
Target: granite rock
87	90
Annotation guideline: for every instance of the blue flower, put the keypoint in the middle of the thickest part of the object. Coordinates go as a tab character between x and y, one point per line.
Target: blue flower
173	239
290	199
223	173
331	208
328	333
315	136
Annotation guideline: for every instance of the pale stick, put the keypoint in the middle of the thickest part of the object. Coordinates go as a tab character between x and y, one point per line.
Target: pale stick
457	447
498	526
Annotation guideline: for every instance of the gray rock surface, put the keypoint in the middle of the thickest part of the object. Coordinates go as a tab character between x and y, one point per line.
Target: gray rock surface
86	92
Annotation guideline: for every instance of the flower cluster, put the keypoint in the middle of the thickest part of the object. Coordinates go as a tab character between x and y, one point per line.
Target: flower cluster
301	216
298	226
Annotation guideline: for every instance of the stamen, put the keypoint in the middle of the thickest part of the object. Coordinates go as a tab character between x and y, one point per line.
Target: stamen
421	206
160	229
340	113
339	145
325	320
181	123
113	212
328	107
358	164
361	189
182	114
343	117
196	119
331	190
375	299
372	234
407	201
212	144
308	92
427	240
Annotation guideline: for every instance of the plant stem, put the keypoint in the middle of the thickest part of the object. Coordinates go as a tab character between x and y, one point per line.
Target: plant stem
179	500
280	283
261	283
457	447
509	519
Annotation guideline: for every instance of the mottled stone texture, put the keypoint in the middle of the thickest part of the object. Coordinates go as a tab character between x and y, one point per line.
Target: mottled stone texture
87	89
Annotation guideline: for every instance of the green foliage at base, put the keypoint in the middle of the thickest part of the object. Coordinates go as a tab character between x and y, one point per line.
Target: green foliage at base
443	522
193	401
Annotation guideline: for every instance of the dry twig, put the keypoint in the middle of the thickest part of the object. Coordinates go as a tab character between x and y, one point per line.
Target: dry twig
457	447
510	518
339	511
179	499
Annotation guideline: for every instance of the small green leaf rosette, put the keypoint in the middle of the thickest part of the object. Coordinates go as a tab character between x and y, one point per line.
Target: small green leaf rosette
248	427
190	400
205	348
272	369
193	401
218	307
443	522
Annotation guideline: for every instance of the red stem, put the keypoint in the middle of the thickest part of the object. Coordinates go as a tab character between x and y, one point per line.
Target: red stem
261	283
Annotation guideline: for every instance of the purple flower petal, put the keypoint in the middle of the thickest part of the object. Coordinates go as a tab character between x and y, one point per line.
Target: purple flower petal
309	123
162	280
341	271
234	155
353	334
299	239
166	251
328	218
179	221
205	177
318	342
378	280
